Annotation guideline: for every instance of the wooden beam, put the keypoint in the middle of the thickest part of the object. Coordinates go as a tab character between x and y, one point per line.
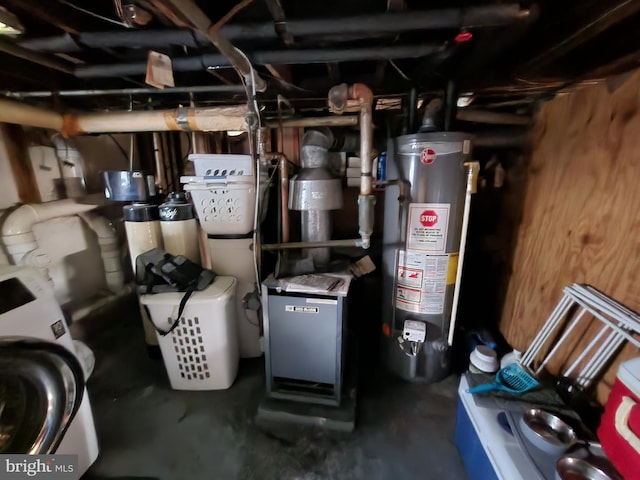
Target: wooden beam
45	60
15	143
54	13
623	64
281	72
18	74
188	11
606	17
381	66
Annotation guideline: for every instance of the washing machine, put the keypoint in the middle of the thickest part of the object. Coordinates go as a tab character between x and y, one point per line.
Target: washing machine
29	310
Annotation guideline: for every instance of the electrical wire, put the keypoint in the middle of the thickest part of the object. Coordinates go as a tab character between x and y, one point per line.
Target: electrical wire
397	68
189	149
122	150
93	14
265	195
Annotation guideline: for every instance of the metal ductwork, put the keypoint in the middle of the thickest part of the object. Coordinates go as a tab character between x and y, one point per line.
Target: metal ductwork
314	192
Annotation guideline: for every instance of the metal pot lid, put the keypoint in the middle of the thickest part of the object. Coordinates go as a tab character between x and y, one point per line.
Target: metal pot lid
41	387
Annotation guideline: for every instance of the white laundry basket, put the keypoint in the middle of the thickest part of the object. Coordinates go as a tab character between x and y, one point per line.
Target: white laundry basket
202	352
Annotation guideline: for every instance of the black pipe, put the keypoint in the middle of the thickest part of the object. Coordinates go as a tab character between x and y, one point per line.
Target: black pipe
450	105
124	91
502	138
412	107
48	61
371	25
277	57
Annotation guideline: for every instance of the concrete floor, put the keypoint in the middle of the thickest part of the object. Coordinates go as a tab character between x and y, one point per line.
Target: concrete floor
147	430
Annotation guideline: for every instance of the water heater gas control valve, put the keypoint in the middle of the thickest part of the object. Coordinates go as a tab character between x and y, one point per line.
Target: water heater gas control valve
414	331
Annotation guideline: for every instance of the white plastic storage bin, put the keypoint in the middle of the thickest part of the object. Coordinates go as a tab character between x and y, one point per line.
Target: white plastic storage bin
202	352
221	165
224	207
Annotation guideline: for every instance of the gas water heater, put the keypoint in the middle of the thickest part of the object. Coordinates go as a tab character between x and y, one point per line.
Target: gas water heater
422	232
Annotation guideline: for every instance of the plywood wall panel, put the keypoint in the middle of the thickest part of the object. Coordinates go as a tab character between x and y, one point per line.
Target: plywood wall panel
581	219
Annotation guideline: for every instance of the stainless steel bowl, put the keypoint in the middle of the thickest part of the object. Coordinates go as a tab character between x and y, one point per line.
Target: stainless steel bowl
591	468
547	431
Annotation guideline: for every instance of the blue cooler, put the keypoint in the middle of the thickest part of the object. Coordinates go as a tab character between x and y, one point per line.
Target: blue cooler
488	449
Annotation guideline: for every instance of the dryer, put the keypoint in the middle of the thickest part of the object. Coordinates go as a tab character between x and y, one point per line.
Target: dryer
29	309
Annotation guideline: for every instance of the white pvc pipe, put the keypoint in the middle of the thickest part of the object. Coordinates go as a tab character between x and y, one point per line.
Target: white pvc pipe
17	230
109	251
472	172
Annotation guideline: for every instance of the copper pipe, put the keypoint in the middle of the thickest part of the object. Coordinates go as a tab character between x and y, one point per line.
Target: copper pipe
338	99
346	121
157	156
355	242
284	197
363	94
284	190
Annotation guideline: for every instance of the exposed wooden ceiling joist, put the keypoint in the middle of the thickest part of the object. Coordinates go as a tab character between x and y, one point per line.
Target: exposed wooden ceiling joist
607	15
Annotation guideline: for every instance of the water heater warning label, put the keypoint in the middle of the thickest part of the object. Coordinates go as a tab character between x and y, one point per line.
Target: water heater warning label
421	282
427	227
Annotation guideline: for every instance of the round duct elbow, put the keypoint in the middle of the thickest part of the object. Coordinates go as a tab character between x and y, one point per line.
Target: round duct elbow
20	221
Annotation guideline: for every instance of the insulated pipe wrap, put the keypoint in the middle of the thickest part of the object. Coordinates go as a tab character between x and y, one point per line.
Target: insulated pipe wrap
183	119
